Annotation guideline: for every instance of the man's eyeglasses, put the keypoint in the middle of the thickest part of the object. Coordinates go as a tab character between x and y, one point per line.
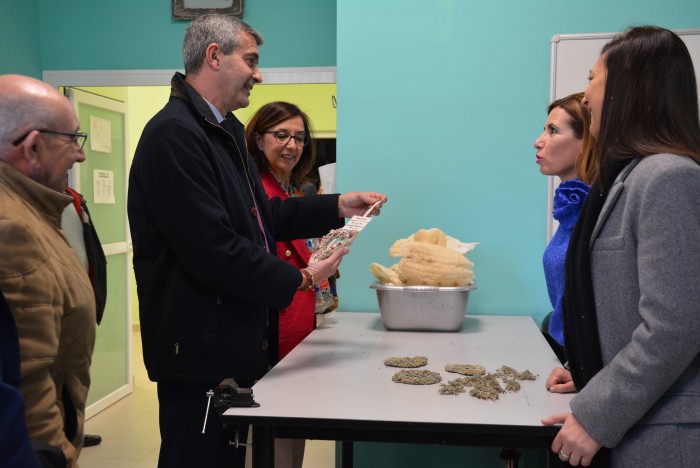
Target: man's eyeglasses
284	137
78	139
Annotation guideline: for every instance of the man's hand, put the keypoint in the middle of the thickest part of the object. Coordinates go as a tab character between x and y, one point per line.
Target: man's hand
323	269
357	203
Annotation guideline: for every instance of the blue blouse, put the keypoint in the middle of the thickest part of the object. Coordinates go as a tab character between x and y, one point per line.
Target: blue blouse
568	200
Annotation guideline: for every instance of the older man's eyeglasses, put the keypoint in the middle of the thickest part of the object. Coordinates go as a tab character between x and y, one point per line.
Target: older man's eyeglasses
283	138
78	139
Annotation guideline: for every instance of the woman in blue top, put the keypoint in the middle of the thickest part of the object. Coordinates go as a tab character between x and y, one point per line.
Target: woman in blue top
564	150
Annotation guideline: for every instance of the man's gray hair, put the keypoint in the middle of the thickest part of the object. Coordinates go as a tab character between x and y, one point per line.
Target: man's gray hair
22	113
209	29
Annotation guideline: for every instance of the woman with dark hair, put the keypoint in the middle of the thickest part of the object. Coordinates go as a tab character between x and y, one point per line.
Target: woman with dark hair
271	126
279	138
564	150
631	312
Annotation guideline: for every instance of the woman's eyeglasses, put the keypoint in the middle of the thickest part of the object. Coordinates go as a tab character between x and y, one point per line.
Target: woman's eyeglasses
283	138
78	139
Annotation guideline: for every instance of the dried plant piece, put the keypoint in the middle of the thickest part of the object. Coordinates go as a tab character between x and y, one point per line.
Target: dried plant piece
492	381
484	386
466	369
385	275
470	381
451	388
334	240
488	388
343	237
457	386
399	248
507	372
416	377
428	257
484	393
434	265
430	236
417	361
395	267
512	385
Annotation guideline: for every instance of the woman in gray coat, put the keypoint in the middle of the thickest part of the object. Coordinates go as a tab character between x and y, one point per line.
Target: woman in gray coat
632	289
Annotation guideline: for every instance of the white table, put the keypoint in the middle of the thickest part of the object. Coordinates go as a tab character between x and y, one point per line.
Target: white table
335	386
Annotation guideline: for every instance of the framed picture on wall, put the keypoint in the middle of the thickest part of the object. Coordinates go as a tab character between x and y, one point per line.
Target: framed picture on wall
190	9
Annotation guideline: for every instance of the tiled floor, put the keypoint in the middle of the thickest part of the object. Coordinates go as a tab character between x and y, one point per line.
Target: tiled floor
129	430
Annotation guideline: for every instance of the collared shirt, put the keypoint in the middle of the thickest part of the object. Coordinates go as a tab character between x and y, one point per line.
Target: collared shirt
217	114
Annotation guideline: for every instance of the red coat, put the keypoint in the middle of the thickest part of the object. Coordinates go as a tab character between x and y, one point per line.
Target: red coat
297	320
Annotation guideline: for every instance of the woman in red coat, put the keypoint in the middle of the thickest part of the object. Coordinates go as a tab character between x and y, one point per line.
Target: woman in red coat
279	139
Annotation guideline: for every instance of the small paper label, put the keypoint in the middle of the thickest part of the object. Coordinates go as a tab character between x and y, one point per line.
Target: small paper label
357	223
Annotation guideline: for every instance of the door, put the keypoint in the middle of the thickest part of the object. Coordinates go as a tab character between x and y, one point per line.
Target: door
102	180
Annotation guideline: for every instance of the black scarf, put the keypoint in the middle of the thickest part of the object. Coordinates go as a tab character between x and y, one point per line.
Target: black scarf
580	320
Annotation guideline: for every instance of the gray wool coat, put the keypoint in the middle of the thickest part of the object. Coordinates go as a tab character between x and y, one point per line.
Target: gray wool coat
645	260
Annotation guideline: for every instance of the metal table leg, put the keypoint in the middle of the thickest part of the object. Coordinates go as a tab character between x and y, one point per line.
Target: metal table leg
510	457
346	454
263	447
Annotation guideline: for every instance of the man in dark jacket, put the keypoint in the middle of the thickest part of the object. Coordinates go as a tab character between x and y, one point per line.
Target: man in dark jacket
202	229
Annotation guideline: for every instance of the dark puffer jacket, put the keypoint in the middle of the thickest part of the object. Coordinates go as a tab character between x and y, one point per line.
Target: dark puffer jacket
208	290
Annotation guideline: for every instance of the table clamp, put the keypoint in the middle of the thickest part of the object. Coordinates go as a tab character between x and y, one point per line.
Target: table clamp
229	395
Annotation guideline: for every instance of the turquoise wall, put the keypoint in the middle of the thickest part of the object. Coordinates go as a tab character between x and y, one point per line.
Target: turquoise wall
19	36
441	114
137	34
438	107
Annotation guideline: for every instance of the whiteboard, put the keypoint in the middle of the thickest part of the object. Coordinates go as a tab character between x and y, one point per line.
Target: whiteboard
572	56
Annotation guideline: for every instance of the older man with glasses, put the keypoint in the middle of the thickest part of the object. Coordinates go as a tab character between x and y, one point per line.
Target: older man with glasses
44	282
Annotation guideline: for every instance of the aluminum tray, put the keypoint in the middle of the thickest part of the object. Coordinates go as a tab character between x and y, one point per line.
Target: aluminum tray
422	308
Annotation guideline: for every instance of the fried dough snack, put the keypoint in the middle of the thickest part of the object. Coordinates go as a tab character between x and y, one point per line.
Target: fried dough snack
429	258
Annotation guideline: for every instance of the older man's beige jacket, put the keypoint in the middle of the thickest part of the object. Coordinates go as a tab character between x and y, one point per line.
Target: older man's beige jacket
52	300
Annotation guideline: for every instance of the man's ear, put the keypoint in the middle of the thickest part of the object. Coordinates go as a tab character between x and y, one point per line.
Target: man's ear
212	55
25	156
31	145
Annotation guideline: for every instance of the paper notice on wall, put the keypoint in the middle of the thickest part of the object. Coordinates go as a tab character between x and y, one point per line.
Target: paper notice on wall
327	175
100	135
103	187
